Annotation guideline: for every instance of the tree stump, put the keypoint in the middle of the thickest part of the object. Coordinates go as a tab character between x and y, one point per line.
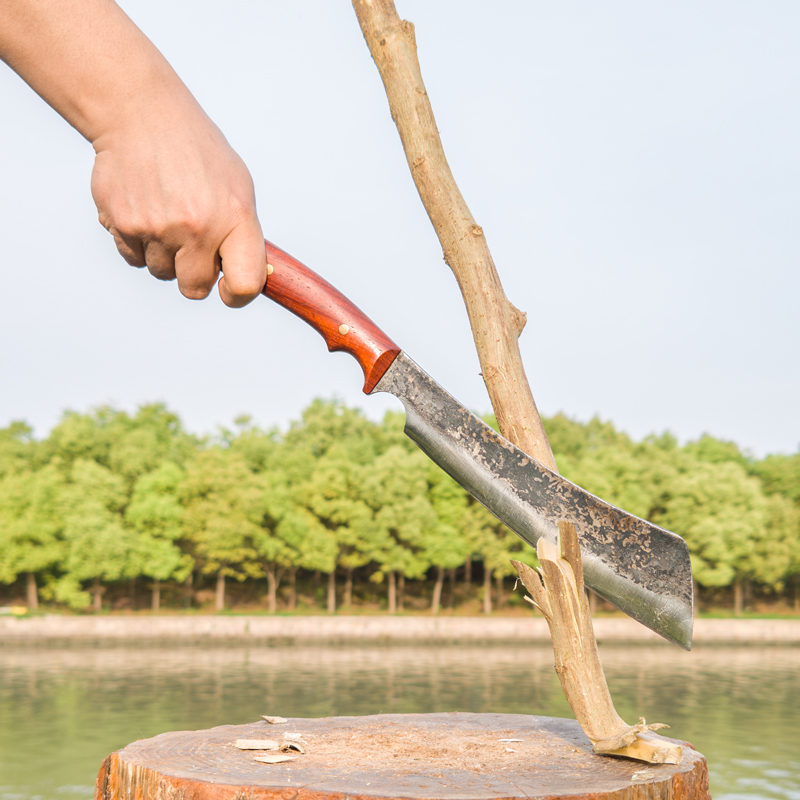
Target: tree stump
454	756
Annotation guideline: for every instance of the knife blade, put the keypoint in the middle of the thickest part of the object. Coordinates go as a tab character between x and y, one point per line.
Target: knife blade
644	570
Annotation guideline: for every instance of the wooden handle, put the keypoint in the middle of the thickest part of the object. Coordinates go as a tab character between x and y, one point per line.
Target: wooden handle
343	326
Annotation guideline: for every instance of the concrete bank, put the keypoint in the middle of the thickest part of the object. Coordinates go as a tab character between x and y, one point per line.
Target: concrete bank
369	629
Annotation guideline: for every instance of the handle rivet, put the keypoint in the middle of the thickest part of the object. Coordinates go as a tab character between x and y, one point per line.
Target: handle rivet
344	329
270	269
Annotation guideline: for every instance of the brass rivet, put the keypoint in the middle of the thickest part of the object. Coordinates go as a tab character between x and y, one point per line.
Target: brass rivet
270	269
344	329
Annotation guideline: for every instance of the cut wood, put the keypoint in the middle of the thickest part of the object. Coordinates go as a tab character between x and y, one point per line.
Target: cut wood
557	590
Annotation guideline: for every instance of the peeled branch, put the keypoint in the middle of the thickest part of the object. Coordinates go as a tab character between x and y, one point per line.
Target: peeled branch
557	590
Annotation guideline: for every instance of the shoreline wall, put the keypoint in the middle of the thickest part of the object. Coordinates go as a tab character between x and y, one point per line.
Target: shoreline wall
353	629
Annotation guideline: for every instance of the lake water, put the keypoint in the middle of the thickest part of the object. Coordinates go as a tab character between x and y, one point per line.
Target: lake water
62	710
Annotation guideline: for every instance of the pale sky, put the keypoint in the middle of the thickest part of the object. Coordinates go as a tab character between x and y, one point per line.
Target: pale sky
635	166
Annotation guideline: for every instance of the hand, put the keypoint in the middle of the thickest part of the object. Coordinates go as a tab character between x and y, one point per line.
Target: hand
178	200
167	184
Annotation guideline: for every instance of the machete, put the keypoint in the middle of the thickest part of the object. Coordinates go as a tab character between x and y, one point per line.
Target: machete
642	569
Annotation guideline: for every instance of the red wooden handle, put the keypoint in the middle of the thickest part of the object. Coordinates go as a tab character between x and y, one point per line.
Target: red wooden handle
343	326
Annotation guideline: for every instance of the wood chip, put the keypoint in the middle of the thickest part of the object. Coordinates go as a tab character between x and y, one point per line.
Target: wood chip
275	720
269	758
257	744
292	745
643	775
511	740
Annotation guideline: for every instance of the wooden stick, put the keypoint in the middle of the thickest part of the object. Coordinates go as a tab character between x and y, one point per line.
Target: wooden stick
557	590
496	324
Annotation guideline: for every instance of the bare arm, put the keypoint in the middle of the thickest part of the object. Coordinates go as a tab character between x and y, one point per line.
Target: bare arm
168	186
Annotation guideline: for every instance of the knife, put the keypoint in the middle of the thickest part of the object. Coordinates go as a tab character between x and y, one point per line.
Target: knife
642	569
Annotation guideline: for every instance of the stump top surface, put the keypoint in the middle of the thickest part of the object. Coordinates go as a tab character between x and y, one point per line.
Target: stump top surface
449	756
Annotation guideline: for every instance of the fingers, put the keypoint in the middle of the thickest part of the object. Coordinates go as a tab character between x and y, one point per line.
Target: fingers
244	262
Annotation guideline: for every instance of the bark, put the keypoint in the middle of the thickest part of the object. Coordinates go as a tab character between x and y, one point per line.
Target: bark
219	597
437	590
32	592
348	589
292	606
155	603
487	590
451	594
496	324
332	592
558	591
272	591
97	595
392	593
401	592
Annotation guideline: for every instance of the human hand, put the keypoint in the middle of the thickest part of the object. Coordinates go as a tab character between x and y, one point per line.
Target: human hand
167	184
178	200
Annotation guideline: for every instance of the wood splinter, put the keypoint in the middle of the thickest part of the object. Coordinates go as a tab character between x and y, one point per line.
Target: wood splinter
557	590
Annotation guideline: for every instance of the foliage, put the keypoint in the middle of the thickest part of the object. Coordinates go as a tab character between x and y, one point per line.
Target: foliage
110	496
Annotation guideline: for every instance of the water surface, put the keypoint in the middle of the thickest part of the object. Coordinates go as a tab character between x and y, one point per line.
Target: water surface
62	710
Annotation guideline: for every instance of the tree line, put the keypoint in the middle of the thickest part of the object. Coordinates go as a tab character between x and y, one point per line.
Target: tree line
109	497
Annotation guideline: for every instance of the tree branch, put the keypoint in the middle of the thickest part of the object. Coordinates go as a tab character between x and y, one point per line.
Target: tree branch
496	324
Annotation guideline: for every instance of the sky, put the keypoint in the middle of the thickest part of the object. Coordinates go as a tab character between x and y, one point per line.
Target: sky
635	167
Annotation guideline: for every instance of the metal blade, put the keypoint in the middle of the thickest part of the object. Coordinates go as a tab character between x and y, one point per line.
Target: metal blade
642	569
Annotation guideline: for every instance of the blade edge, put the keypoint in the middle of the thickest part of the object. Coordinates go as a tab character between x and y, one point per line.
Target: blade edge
458	442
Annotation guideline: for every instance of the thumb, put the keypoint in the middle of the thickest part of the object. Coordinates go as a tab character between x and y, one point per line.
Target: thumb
244	263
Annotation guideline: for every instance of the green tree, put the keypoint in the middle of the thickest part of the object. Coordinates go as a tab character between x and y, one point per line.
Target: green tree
30	526
224	507
156	514
721	512
99	546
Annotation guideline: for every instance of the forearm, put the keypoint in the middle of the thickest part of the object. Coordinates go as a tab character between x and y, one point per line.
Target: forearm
89	61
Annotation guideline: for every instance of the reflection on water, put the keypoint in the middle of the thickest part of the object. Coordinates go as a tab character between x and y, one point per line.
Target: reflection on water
63	710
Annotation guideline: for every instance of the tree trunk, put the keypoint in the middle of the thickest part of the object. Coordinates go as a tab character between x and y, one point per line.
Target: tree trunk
219	598
451	595
498	579
348	588
132	589
97	595
292	589
332	591
468	570
272	591
797	593
487	590
32	592
437	590
737	597
155	605
401	592
188	592
392	592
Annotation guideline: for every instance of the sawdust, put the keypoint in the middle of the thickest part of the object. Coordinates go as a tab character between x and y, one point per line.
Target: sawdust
387	746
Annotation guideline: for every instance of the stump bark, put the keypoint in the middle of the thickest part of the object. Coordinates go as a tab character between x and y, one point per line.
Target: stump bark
453	756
